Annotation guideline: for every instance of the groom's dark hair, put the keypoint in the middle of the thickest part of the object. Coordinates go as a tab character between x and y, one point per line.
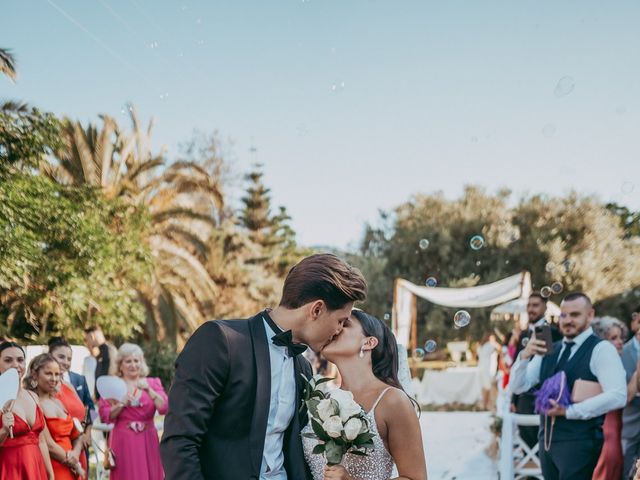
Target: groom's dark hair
324	277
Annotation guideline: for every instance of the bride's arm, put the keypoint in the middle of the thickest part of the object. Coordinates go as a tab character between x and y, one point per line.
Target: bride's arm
404	437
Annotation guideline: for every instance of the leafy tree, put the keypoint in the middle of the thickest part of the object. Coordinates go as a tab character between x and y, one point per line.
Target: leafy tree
574	240
68	256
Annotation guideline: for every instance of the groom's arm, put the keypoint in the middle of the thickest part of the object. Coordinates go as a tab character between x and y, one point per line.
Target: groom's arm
201	374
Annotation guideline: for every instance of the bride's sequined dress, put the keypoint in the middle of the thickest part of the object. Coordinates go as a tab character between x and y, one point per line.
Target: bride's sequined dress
377	465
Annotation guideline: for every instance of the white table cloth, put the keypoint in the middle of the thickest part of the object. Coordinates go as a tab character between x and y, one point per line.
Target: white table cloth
454	385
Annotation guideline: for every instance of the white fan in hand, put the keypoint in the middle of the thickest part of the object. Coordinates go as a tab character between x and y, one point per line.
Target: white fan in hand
9	386
111	387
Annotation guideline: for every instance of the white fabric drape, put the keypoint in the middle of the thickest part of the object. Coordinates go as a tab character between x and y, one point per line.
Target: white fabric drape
471	297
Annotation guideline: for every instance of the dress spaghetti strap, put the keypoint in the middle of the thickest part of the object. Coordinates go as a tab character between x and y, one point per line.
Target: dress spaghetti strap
375	404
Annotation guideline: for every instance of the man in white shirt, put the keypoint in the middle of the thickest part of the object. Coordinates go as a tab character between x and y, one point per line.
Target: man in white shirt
571	440
525	403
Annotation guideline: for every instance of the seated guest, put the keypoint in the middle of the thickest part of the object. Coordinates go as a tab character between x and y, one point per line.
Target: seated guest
134	438
571	436
631	413
610	464
74	392
43	378
23	446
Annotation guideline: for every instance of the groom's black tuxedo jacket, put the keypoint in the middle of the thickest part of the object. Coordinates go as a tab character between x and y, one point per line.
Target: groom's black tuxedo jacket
219	406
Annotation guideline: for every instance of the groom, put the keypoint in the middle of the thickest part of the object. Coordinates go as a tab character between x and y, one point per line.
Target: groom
234	403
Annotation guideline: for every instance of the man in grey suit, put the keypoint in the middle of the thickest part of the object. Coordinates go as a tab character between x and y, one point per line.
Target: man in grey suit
631	414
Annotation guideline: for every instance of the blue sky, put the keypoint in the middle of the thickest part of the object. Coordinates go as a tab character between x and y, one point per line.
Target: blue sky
353	106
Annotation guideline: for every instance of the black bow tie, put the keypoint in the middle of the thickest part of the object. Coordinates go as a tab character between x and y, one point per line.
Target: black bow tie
285	339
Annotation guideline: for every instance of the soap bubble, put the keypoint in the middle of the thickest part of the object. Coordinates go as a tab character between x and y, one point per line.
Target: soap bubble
387	316
431	282
550	267
546	291
627	188
418	352
424	244
430	346
524	341
476	242
461	318
564	86
557	287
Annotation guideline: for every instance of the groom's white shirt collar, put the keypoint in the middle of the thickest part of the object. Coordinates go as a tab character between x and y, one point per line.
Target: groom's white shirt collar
282	407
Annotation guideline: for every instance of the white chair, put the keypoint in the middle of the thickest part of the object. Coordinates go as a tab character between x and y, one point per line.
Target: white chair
517	459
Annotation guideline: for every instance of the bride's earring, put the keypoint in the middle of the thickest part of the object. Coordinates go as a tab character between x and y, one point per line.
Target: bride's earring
33	383
361	354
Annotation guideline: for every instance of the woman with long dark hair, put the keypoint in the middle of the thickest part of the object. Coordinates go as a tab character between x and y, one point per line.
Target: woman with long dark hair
366	354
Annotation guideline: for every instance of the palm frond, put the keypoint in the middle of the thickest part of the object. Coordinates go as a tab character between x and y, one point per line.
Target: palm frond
8	64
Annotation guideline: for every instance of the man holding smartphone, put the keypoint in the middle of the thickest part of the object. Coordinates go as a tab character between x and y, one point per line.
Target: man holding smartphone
574	436
525	402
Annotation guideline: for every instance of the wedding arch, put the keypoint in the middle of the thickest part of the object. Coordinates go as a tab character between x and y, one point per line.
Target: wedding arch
404	316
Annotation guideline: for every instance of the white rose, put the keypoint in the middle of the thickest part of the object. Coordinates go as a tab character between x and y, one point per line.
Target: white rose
326	409
347	405
352	428
333	426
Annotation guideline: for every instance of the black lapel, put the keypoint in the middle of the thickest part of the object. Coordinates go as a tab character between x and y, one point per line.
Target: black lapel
299	371
263	390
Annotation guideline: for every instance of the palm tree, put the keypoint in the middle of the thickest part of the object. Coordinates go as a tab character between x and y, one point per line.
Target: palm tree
8	64
185	202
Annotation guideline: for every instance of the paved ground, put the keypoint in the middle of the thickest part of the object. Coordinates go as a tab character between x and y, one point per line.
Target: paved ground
455	444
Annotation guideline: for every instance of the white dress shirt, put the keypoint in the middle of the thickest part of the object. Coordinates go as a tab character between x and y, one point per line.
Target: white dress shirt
605	364
281	409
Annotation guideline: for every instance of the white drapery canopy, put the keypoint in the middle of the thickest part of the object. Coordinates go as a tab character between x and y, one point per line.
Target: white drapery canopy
404	307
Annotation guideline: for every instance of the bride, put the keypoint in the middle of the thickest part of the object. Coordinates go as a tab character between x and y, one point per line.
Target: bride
366	355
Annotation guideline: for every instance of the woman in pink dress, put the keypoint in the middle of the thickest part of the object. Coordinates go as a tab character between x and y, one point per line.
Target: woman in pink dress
134	439
610	463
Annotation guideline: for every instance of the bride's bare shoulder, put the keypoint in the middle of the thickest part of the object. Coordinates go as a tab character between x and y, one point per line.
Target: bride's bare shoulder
395	399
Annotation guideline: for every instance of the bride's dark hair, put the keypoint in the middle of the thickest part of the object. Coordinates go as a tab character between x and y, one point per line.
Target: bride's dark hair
384	357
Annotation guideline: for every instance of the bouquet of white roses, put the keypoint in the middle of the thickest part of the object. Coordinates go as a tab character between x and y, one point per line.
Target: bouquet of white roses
338	422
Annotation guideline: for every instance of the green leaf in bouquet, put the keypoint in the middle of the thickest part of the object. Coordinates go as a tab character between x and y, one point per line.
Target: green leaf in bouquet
364	438
317	394
318	449
317	428
312	405
333	453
